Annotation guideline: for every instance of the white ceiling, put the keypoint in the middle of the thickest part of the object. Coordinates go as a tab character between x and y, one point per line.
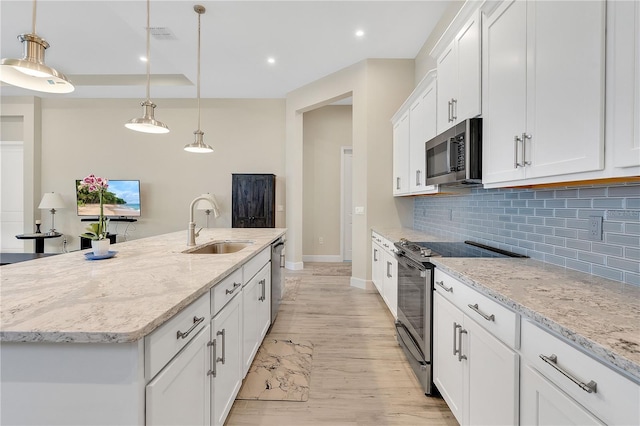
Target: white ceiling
97	44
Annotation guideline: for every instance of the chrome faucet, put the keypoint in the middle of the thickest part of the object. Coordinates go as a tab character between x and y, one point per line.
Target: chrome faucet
192	234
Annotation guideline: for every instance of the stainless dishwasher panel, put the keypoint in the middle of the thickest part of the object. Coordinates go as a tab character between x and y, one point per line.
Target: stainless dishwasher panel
277	276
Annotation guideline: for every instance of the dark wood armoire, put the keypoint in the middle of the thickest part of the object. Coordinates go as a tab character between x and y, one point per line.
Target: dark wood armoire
253	200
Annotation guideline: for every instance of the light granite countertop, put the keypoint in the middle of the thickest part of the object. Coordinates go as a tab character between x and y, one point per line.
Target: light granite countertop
596	314
67	298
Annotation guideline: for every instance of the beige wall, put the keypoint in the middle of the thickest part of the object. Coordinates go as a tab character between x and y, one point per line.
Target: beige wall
326	130
81	136
378	88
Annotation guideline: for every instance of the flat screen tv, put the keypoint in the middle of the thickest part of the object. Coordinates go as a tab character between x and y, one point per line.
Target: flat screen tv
122	199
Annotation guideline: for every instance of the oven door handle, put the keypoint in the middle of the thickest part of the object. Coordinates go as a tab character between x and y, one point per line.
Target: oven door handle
406	262
409	342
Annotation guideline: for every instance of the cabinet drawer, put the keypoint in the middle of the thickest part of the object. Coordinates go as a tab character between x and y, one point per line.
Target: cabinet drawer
166	341
614	399
495	318
224	291
256	263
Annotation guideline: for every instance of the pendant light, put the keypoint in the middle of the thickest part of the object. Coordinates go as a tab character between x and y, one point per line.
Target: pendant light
30	72
148	123
198	146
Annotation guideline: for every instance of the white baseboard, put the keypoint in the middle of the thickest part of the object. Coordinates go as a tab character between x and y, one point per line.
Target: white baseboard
362	284
294	266
321	258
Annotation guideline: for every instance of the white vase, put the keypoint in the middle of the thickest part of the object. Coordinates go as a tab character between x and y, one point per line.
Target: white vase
100	247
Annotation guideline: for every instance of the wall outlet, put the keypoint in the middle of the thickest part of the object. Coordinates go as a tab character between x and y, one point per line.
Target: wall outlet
359	210
595	228
320	240
280	208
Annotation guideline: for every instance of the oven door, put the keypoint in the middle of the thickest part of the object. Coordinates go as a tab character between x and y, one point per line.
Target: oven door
414	304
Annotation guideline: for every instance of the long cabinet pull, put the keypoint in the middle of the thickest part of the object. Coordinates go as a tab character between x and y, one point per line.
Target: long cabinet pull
441	284
282	260
418	183
456	326
397	183
525	136
196	322
222	358
454	109
460	356
263	283
552	360
388	273
449	112
485	316
213	370
375	255
516	163
235	287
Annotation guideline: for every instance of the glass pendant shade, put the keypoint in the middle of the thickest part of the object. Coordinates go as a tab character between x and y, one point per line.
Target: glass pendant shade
198	146
30	72
147	124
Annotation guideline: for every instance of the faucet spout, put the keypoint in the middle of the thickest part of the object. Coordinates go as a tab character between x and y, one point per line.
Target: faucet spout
191	231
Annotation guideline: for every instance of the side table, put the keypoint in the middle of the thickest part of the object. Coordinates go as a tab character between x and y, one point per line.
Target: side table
39	237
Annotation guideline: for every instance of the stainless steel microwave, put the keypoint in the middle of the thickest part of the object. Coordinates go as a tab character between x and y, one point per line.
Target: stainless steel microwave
455	156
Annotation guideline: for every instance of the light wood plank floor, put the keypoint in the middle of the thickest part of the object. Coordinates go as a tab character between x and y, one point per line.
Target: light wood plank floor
359	375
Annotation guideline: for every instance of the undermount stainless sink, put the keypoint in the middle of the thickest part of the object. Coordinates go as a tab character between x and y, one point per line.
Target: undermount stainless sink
219	247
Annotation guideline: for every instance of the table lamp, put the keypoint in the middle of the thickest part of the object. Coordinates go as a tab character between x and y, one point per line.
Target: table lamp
51	201
210	205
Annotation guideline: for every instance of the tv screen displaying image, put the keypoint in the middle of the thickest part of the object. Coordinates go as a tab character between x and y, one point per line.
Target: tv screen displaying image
122	199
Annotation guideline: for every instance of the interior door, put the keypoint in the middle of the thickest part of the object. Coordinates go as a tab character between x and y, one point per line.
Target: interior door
12	196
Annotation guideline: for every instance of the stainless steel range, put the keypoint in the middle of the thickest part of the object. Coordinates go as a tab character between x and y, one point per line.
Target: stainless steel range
415	287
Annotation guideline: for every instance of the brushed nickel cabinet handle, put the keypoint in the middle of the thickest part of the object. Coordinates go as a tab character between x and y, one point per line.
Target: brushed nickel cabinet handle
263	282
418	183
552	360
450	112
454	109
456	326
398	183
235	287
441	284
388	273
525	136
213	371
460	356
482	314
222	358
375	254
196	321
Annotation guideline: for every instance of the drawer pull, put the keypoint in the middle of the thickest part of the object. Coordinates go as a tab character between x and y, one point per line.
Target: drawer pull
263	282
485	316
552	360
441	284
235	287
196	321
213	371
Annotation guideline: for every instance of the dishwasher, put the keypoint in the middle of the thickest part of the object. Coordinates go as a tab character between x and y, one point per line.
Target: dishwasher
277	275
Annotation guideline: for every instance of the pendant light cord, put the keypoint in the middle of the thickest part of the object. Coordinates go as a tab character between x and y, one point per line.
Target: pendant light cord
199	15
33	18
148	53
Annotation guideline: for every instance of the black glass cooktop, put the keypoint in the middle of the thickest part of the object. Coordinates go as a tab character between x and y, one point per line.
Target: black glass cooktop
462	249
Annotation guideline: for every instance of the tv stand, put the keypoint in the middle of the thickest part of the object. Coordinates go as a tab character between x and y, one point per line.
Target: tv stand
112	219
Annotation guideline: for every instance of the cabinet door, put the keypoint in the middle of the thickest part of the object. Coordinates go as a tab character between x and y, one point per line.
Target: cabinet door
491	365
467	100
180	393
448	374
543	404
623	90
256	298
504	56
422	127
401	156
376	266
390	286
227	331
447	66
565	78
253	201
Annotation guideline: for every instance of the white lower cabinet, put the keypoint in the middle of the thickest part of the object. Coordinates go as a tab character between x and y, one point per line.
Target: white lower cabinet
376	265
256	308
544	404
475	372
226	332
181	393
384	270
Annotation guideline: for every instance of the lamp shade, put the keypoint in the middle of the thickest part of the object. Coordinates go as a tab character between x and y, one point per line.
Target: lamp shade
51	200
209	204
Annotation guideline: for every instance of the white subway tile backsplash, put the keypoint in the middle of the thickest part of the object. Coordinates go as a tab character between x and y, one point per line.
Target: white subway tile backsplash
547	225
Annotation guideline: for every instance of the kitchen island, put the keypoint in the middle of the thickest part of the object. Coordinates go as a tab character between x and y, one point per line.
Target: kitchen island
74	331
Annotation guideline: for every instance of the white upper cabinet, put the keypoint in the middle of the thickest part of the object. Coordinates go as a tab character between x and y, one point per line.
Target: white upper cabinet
459	75
543	89
413	125
623	82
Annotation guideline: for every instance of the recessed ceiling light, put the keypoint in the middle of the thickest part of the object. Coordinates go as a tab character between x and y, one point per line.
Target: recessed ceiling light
271	60
143	58
360	33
